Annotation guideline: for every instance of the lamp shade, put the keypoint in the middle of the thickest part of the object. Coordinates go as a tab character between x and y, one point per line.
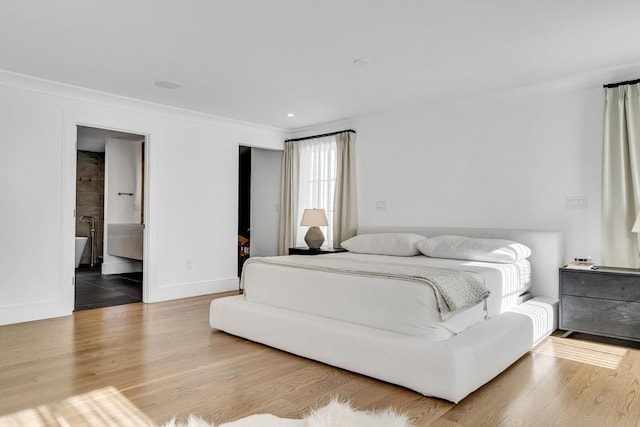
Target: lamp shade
636	226
314	217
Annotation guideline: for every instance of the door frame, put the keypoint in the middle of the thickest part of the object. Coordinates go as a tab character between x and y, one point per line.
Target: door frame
120	124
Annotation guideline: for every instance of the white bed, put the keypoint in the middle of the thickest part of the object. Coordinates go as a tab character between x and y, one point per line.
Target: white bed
408	308
391	331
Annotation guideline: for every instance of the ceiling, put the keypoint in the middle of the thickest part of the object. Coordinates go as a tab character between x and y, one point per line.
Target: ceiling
258	60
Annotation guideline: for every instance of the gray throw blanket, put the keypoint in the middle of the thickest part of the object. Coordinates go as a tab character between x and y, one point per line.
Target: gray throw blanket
455	290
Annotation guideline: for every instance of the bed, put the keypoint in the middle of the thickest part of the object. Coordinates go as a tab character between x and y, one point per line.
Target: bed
398	329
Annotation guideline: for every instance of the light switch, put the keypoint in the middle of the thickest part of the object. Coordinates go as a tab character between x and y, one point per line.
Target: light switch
576	202
381	205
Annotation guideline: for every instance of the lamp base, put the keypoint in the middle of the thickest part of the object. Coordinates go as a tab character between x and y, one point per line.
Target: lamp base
314	237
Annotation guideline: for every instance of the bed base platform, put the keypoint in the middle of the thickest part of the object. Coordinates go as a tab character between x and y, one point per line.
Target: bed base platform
449	369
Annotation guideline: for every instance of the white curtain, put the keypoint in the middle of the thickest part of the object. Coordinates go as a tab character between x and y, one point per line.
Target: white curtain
318	173
344	209
317	182
621	176
288	199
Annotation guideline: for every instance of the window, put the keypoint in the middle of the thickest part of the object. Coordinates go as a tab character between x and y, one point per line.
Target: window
317	183
318	172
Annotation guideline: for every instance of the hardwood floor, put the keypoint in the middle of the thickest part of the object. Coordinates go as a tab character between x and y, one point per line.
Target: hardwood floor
167	361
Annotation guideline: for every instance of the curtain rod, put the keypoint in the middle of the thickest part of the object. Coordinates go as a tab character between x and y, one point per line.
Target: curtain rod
628	82
319	136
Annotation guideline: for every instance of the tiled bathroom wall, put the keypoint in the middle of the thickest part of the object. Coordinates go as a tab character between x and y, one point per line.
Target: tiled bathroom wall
90	198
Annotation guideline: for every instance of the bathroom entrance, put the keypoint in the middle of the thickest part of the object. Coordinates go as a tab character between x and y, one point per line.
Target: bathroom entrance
109	218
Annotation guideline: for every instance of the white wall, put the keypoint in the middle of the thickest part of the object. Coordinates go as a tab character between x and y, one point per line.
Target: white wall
123	174
266	176
506	160
191	193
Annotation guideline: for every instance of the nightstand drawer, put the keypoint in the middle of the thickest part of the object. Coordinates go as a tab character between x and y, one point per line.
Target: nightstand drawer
600	285
622	319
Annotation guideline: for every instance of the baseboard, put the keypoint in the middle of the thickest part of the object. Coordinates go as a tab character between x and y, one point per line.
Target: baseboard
31	311
192	289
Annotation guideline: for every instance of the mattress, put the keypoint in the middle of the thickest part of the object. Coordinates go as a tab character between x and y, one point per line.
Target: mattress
394	305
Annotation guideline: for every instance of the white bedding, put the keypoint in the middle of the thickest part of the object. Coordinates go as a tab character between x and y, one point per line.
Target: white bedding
399	306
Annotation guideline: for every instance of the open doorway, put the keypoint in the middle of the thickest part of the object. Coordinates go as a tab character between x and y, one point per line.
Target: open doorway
109	219
244	206
259	183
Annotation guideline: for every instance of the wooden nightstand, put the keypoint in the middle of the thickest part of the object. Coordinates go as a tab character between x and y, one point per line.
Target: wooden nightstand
303	250
602	302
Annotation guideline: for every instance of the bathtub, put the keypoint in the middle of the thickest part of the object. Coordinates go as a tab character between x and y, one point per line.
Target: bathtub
81	244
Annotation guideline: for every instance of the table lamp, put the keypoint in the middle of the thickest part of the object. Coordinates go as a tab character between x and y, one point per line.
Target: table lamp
314	218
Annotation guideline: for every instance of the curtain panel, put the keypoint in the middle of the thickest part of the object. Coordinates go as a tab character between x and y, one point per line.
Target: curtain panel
288	199
345	215
316	182
621	176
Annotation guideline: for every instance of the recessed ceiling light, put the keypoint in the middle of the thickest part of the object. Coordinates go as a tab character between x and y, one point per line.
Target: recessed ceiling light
361	62
290	114
167	84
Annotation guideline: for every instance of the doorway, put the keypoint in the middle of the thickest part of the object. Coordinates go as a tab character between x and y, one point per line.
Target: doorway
259	182
244	206
109	220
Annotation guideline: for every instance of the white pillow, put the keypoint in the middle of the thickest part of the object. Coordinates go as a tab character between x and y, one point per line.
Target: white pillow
488	250
398	244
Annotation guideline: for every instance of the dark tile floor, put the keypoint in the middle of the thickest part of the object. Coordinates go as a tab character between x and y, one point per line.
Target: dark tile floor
93	290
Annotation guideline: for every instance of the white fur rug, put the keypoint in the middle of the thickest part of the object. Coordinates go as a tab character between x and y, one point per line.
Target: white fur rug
335	414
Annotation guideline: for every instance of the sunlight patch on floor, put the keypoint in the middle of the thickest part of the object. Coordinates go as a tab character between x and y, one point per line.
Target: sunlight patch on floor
104	407
603	355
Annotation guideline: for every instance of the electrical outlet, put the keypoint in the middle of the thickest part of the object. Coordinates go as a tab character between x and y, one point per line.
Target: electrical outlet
189	265
381	205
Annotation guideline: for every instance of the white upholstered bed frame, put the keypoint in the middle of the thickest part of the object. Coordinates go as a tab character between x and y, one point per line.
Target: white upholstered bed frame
449	369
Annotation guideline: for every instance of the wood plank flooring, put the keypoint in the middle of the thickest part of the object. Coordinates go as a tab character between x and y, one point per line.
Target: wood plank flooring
167	361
